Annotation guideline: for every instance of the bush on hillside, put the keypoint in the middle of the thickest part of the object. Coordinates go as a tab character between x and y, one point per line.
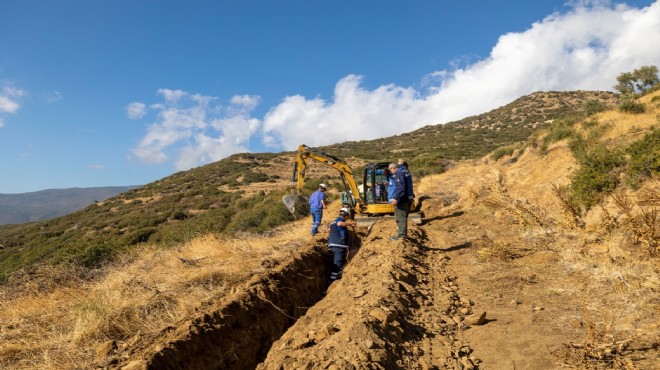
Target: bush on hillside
644	159
502	151
251	177
260	214
599	170
90	252
630	104
593	106
558	131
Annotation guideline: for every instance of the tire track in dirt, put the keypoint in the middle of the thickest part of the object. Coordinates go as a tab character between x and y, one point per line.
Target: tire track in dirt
442	311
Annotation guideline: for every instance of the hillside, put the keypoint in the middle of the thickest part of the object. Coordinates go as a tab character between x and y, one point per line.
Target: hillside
518	265
51	203
430	147
238	193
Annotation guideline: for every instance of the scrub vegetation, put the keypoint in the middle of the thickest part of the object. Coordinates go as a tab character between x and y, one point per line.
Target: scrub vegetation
557	227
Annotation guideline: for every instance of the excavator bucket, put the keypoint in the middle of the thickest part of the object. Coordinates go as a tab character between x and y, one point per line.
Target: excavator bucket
296	204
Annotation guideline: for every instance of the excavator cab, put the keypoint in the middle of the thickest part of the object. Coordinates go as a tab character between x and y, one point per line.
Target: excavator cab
374	183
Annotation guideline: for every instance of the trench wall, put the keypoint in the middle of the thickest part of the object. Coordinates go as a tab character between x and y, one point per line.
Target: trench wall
238	333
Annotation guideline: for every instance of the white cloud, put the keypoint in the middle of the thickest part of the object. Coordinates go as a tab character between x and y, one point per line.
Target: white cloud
96	166
354	113
172	96
9	101
195	130
246	101
585	48
136	110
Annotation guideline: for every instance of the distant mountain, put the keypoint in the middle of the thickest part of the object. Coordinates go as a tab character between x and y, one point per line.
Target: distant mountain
51	203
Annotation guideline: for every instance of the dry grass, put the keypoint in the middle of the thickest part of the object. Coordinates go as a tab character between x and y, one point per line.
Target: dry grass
625	127
634	214
525	213
58	318
570	214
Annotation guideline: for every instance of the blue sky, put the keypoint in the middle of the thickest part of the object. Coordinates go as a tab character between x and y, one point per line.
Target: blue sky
125	92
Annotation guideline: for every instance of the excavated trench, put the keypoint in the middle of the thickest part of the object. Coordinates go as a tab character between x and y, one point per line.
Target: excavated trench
387	312
237	332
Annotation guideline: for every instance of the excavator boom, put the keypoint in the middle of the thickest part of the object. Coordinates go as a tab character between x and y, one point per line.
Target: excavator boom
300	166
360	202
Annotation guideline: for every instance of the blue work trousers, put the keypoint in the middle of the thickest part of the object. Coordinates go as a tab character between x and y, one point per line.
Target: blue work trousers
337	262
317	215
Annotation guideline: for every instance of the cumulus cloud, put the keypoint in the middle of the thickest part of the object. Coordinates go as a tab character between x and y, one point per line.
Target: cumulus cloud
9	101
193	129
585	48
354	113
136	110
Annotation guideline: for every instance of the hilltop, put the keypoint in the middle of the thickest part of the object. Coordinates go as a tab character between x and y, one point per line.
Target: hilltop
523	262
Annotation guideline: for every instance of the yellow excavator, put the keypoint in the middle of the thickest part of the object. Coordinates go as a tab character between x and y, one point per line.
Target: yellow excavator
367	201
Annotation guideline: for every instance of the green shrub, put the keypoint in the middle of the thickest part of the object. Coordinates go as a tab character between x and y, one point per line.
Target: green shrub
251	177
137	236
593	106
91	252
644	158
558	131
179	215
629	104
502	151
599	170
260	214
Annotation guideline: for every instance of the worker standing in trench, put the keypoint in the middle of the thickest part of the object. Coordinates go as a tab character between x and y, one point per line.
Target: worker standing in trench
338	242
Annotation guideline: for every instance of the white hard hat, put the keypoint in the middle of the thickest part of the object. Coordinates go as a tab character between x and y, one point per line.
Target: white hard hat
345	210
322	185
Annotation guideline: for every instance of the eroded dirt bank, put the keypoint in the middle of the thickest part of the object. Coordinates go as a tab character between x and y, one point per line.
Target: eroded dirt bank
236	333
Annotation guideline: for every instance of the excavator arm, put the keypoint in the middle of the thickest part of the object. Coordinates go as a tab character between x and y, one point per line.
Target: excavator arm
305	153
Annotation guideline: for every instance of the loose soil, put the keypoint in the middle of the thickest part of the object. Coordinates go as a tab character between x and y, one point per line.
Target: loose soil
473	288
